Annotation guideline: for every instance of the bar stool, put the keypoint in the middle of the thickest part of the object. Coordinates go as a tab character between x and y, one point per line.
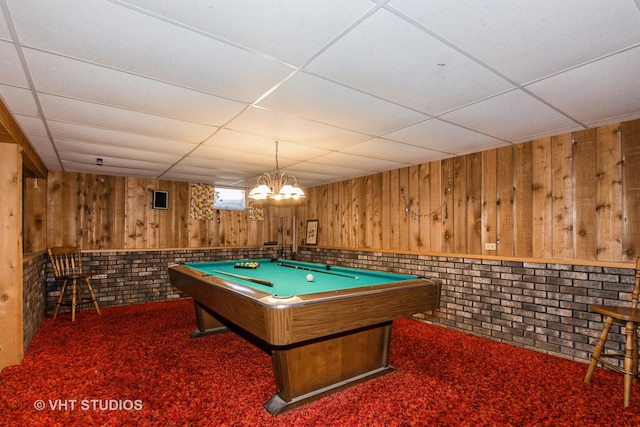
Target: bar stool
67	266
630	317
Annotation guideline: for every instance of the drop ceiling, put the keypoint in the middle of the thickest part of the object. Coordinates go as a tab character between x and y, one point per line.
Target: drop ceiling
200	90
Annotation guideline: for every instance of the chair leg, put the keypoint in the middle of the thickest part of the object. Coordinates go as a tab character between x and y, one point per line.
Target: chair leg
74	301
634	362
629	356
599	348
93	295
64	286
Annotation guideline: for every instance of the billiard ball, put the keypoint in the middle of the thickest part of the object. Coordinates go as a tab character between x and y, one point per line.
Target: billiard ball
309	277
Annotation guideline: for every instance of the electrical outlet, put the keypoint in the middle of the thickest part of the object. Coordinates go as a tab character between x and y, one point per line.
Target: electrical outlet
490	246
99	276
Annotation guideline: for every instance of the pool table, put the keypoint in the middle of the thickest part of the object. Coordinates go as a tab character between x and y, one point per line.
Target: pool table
326	327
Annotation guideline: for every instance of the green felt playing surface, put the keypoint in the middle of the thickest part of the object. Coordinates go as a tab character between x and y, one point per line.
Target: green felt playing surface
290	277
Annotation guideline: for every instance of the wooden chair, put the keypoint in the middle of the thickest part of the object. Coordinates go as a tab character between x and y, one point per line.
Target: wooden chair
630	317
67	266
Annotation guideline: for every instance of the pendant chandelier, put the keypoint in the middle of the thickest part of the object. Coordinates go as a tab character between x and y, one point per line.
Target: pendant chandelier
280	186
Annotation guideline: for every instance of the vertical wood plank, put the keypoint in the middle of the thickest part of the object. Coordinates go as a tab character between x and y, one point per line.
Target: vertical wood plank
424	237
370	212
489	197
413	201
360	196
11	316
542	245
55	209
337	227
377	206
385	209
136	213
436	200
608	193
321	215
562	205
35	215
523	197
631	183
324	218
449	193
403	215
396	210
114	199
584	184
474	204
344	202
459	203
505	202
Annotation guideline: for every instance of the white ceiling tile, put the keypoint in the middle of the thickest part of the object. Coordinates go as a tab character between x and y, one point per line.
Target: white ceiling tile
312	174
325	169
41	143
265	146
86	113
20	100
66	146
151	81
387	57
320	100
31	125
511	116
112	162
178	175
358	162
227	156
4	29
11	71
445	137
287	127
380	148
289	30
61	76
607	96
109	137
529	40
135	170
113	35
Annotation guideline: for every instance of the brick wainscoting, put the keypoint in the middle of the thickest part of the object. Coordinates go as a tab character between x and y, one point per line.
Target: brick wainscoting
134	277
33	296
537	305
540	306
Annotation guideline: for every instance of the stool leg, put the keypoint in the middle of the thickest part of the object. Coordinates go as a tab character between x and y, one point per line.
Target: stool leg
74	301
634	361
93	295
630	332
64	286
599	348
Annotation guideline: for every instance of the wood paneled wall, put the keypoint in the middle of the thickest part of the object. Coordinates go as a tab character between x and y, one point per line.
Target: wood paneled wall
113	212
572	196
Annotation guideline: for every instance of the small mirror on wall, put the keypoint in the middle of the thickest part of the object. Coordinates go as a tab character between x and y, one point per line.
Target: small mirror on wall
160	199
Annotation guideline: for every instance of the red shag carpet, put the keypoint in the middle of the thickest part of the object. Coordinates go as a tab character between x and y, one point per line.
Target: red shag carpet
136	365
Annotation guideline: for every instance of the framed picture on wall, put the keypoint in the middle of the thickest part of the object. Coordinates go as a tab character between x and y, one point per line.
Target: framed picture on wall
312	232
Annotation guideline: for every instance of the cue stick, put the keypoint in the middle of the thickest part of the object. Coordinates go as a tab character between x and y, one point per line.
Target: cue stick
251	279
318	270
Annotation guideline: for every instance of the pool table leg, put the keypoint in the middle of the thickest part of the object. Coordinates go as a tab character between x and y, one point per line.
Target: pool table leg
309	371
208	324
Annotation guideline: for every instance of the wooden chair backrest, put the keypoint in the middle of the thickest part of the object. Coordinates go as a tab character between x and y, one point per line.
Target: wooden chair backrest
65	260
636	287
